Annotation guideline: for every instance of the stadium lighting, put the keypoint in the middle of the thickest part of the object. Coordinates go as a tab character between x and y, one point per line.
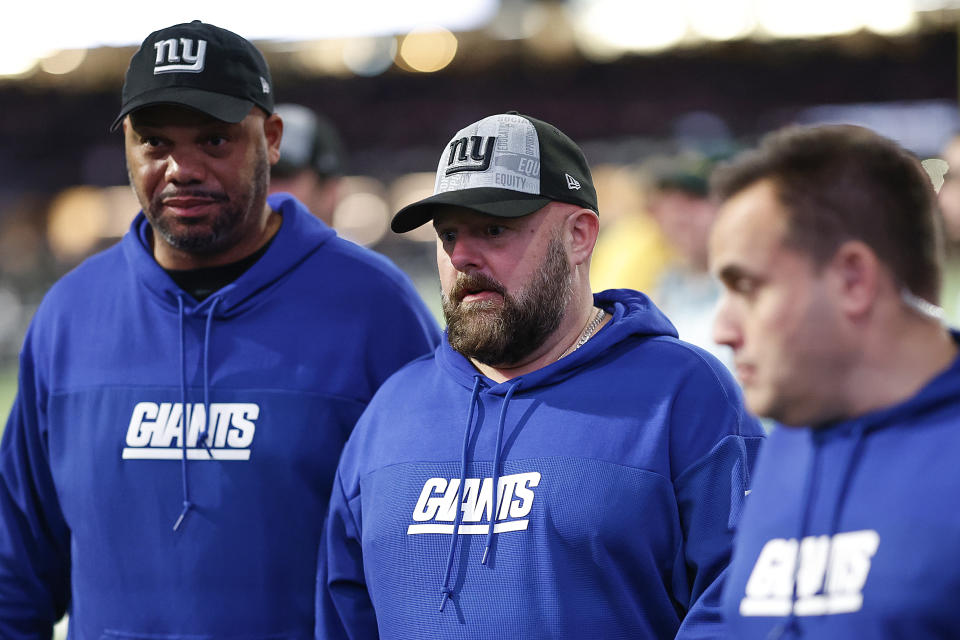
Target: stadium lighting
628	25
813	18
726	20
82	25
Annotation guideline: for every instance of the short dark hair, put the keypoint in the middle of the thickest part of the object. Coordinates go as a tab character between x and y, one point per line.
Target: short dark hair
841	183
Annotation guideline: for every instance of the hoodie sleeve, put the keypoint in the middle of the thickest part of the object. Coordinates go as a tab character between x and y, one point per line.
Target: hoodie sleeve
714	444
344	609
34	538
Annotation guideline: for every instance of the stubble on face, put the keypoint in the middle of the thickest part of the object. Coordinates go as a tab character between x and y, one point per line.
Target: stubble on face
223	230
503	333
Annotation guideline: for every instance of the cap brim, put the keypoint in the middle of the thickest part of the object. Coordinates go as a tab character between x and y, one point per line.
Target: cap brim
216	105
502	203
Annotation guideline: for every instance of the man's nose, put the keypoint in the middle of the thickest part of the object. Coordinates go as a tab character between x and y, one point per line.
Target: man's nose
185	168
726	324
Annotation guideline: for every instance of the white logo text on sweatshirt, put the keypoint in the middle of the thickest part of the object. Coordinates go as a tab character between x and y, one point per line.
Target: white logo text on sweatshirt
829	579
435	511
156	429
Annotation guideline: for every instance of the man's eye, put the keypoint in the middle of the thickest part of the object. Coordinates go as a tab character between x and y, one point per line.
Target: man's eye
217	141
152	141
446	236
495	230
743	285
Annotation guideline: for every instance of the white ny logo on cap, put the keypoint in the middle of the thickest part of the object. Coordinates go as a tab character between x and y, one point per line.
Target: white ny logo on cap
170	57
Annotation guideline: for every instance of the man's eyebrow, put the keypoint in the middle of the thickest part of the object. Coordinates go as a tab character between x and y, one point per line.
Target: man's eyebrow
731	273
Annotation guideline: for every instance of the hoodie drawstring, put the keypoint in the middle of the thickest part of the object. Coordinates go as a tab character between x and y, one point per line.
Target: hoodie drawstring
852	463
187	505
496	471
204	429
185	419
446	591
790	625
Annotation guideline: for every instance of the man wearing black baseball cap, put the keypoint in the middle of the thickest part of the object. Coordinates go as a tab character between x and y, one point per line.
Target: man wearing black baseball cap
185	394
562	465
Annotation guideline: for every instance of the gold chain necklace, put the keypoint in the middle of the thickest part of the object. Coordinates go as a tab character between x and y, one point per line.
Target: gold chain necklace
587	332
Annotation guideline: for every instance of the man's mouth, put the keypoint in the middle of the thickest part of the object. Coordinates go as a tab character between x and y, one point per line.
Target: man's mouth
191	204
188	206
479	295
476	288
745	372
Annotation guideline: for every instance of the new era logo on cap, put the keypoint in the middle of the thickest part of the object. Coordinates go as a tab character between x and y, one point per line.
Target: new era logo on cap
506	165
200	66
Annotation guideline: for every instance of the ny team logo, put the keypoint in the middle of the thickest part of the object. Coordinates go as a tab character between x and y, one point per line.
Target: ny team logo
480	153
436	509
156	430
829	579
180	56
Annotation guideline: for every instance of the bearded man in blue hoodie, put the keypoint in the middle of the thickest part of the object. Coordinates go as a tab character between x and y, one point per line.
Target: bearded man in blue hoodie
184	395
562	466
828	245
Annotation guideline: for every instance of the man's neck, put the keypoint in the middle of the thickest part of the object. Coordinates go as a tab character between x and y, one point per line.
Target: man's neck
897	367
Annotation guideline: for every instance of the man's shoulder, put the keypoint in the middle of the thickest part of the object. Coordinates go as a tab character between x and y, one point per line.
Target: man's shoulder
91	278
667	353
357	263
421	373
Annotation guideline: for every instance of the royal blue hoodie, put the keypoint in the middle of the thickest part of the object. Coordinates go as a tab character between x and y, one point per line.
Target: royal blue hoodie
618	473
869	507
92	474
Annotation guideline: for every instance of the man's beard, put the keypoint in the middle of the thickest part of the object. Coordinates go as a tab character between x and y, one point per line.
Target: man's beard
223	230
506	333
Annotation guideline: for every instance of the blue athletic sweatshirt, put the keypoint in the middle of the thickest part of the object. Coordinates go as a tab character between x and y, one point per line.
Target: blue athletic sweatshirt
869	507
618	473
92	473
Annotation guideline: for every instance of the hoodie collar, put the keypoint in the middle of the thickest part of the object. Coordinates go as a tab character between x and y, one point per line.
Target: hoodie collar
300	234
633	314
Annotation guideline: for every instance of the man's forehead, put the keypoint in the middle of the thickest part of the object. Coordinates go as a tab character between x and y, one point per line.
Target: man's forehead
749	221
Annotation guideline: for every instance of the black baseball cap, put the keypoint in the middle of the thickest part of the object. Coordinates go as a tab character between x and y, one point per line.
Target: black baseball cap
310	141
507	165
200	66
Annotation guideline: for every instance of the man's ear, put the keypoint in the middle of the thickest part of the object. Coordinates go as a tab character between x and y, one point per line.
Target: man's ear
273	131
583	226
856	274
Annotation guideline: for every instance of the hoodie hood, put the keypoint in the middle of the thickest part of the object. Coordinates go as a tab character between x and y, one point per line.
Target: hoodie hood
633	316
299	236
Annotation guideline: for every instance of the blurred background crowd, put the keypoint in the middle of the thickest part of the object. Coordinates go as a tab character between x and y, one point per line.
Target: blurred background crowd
656	93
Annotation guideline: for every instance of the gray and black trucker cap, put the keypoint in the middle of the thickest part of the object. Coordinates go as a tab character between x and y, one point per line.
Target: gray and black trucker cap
507	165
200	66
